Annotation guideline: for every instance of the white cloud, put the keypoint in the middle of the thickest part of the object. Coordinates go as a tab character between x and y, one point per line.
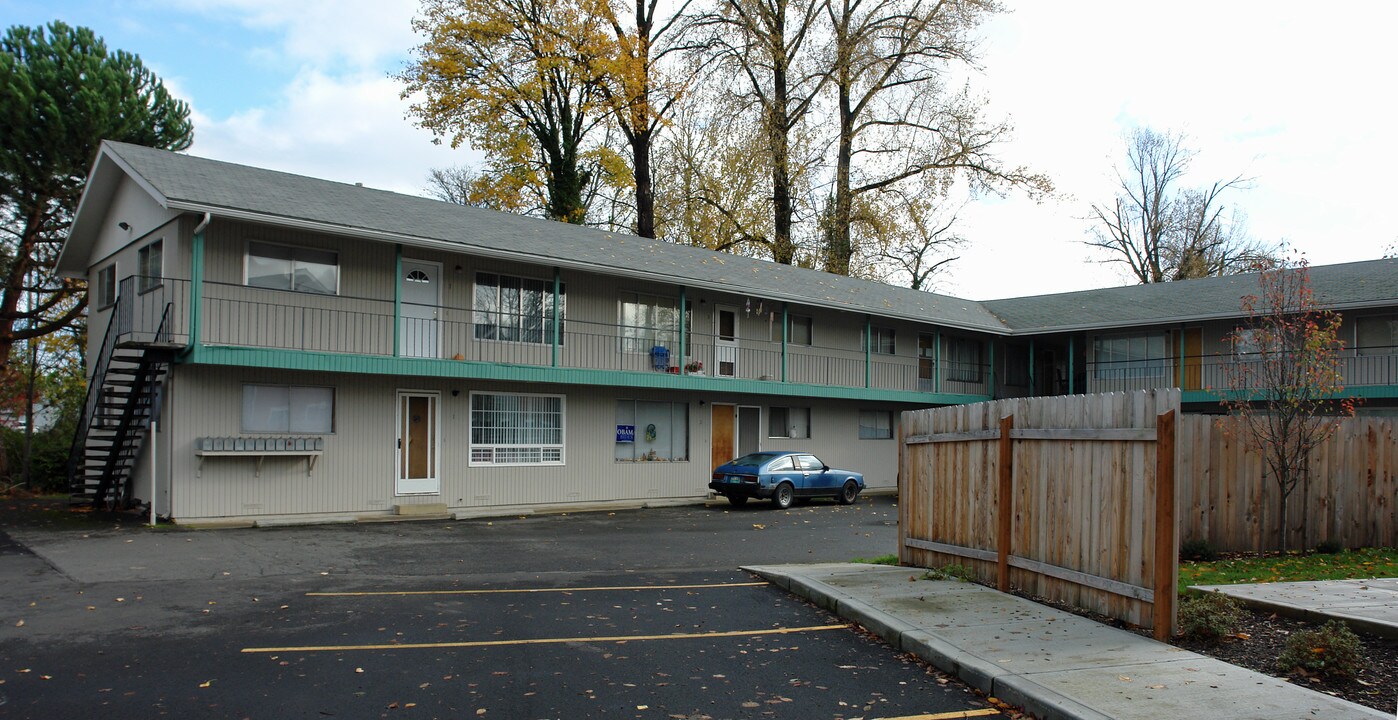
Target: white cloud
350	129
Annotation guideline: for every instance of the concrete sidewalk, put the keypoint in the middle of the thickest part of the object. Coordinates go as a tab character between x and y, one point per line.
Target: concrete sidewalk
1370	606
1052	663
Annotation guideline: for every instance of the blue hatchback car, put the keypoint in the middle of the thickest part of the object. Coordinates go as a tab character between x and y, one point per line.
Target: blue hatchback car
783	477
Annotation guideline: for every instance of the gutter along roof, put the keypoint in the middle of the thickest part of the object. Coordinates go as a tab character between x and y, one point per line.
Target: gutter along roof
232	191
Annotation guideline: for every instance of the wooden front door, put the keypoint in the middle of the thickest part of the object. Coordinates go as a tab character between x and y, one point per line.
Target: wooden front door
722	442
1193	357
417	460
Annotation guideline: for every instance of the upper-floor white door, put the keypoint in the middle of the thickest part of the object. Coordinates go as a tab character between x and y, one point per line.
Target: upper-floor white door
421	284
726	342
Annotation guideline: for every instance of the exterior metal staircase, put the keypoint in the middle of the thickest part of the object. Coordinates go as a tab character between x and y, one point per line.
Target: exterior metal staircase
122	395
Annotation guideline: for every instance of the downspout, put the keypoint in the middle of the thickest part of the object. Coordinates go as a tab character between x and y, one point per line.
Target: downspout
937	362
991	386
196	285
1180	385
1031	367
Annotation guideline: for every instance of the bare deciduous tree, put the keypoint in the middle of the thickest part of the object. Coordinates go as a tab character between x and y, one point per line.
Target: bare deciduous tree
1162	231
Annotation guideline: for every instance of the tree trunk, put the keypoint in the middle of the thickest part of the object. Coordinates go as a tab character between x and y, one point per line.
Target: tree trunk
783	249
645	193
841	250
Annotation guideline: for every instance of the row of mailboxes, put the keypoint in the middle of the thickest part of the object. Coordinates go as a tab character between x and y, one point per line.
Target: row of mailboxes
275	444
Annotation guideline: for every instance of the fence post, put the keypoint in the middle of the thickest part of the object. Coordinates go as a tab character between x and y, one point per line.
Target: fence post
1163	605
1005	503
904	492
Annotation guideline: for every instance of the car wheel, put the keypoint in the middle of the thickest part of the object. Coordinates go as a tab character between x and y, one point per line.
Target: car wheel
738	499
783	496
848	493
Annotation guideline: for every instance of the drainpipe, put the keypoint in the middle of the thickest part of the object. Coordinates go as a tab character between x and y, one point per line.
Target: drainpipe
990	387
196	284
1180	361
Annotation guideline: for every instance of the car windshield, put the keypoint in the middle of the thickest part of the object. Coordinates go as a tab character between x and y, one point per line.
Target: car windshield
754	459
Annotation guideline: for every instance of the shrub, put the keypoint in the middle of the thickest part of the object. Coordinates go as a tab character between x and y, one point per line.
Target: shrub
1198	549
953	571
1329	547
1209	616
1332	649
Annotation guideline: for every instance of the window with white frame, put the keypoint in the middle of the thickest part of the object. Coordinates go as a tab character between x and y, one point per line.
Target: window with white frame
875	424
288	409
516	429
647	321
516	309
1376	335
299	269
881	340
963	360
1124	357
106	286
651	431
150	265
789	422
1247	345
799	330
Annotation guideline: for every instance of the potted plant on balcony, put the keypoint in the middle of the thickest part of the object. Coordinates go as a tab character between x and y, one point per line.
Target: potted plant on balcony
694	367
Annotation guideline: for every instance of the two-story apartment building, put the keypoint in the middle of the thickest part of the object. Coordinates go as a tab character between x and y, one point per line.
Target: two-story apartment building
310	348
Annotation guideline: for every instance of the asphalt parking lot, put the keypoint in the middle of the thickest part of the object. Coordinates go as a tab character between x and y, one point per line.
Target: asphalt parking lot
630	614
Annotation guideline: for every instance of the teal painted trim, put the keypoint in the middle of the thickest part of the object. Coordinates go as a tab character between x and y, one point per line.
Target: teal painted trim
553	351
868	349
990	379
1367	392
397	299
684	328
196	290
786	326
428	367
1031	367
937	363
1072	371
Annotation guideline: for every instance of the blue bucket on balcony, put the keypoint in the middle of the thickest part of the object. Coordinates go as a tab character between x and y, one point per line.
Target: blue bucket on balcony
660	358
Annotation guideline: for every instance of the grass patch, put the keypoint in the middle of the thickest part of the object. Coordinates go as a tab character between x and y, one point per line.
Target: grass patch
880	560
1346	565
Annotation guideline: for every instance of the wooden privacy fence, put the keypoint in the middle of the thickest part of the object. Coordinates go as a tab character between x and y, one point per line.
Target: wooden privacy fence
1067	498
1225	499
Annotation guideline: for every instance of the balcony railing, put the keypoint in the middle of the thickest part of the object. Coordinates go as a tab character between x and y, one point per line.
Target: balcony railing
237	315
1368	366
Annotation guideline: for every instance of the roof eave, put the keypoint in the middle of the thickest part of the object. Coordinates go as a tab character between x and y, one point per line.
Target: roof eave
103	179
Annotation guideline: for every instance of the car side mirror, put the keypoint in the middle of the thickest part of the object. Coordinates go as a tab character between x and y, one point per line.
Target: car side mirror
825	468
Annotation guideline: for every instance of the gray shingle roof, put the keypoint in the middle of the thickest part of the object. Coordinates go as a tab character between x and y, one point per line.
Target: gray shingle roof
191	182
200	184
1371	283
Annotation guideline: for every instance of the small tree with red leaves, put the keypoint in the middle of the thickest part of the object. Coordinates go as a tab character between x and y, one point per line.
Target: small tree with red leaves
1285	379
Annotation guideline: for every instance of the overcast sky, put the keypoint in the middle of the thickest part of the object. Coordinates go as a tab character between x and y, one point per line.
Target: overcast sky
1295	96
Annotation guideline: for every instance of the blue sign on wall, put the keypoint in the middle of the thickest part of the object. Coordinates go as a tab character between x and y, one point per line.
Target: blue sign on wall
625	433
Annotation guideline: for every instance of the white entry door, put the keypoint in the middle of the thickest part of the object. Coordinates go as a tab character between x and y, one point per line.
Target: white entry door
726	342
421	284
418	441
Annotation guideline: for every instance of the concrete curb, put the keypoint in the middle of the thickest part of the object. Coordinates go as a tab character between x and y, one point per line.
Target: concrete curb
977	672
1362	624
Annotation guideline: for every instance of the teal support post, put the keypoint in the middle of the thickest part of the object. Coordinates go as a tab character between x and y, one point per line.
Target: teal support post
196	289
557	286
868	347
937	362
1031	368
1072	372
684	328
786	330
397	300
990	386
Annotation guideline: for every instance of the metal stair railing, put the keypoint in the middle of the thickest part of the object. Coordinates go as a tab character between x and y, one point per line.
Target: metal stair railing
94	396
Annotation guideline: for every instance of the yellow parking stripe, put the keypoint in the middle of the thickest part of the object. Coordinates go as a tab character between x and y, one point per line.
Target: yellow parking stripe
527	590
543	641
953	715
